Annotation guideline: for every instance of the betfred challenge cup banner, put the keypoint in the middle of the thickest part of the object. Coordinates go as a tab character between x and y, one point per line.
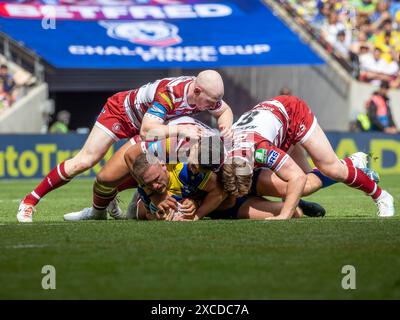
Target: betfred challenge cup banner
153	33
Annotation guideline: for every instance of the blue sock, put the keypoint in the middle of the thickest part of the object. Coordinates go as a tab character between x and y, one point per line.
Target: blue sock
326	182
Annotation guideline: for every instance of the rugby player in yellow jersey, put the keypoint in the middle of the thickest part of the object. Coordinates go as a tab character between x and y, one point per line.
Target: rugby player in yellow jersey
163	187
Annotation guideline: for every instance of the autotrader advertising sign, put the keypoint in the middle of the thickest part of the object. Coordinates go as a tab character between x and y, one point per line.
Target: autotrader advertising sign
33	156
153	34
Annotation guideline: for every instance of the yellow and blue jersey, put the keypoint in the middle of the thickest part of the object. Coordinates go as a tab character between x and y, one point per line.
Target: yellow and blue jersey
183	183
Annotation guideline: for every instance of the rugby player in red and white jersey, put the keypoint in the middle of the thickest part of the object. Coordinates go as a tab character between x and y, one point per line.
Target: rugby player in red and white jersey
142	110
273	130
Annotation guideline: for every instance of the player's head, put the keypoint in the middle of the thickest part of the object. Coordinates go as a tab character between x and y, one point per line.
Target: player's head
150	173
207	154
208	90
237	176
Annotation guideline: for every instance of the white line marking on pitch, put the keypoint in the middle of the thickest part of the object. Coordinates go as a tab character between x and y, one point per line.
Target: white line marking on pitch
26	246
42	224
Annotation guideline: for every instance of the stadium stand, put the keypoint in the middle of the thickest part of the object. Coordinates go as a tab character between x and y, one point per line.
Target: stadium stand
14	83
363	35
23	94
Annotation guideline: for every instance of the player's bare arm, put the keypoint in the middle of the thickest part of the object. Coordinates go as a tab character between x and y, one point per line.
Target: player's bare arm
214	197
224	118
296	180
259	208
152	127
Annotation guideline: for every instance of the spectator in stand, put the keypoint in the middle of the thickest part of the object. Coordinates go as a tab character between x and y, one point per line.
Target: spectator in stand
386	45
285	91
62	123
358	49
375	69
379	111
381	13
382	31
306	9
380	26
319	19
361	45
364	7
331	28
342	44
387	25
7	79
370	64
5	98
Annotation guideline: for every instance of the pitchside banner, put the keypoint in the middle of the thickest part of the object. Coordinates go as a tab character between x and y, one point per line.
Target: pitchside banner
153	33
33	156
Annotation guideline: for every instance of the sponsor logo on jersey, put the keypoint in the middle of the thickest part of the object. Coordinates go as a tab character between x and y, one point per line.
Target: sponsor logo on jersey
272	157
302	128
116	127
261	155
149	33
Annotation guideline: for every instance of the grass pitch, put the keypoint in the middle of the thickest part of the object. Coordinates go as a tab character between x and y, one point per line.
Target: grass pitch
297	259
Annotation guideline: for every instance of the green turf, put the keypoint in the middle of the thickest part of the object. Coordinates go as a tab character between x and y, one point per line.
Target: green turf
298	259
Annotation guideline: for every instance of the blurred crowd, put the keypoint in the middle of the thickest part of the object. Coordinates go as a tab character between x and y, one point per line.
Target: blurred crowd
14	84
364	35
7	86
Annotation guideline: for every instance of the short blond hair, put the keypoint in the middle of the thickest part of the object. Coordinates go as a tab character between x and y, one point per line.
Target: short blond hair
142	163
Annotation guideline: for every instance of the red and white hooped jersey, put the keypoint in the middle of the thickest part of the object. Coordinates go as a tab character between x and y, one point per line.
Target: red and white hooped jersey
163	100
248	143
269	129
